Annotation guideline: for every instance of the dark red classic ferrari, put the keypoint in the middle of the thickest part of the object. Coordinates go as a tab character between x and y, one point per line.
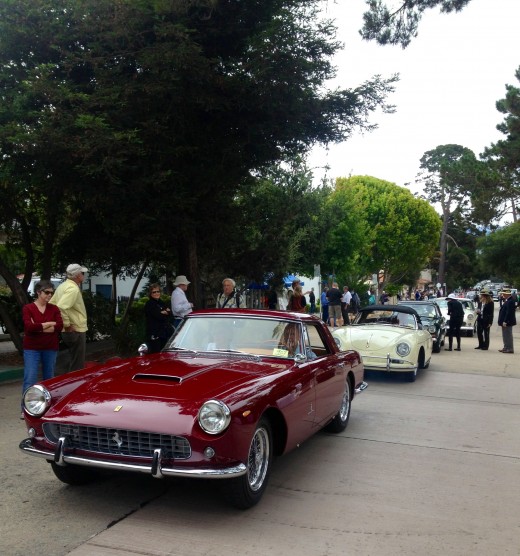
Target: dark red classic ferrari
231	390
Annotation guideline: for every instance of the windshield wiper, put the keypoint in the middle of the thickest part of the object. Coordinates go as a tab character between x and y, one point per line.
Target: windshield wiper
180	349
222	350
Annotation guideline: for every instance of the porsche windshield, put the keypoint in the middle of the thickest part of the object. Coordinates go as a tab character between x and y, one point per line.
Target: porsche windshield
390	317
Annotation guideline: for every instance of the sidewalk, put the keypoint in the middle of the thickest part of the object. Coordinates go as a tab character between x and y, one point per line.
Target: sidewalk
11	362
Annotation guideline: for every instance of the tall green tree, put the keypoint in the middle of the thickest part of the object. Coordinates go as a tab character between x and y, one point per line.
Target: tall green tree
271	227
499	252
448	174
503	158
379	228
176	101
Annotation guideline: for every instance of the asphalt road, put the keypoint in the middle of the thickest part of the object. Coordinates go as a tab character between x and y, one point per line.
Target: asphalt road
424	468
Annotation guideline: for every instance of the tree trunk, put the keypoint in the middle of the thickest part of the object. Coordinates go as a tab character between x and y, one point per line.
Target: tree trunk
189	266
11	327
443	246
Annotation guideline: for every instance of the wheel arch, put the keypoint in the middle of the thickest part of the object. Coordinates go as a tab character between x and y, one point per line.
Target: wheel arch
278	429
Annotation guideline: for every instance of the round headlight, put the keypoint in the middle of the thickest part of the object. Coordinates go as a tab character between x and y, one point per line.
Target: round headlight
214	417
402	349
36	400
431	329
469	317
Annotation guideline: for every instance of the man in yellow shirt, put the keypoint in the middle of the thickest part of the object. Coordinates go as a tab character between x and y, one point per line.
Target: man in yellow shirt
69	300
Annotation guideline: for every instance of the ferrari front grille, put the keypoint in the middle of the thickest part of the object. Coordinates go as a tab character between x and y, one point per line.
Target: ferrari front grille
118	441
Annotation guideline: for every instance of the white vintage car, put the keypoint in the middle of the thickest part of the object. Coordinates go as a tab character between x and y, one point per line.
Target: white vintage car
389	338
470	314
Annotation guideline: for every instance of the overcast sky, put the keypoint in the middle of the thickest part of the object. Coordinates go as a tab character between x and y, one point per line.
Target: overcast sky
451	76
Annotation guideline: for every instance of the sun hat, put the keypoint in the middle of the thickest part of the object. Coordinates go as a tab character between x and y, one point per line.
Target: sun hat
485	291
181	279
452	296
506	291
76	268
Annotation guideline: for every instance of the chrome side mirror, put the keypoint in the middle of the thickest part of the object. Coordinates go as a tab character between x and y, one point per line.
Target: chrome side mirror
142	349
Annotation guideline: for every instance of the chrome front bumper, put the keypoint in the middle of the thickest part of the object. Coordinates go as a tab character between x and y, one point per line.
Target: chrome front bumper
387	363
363	386
155	469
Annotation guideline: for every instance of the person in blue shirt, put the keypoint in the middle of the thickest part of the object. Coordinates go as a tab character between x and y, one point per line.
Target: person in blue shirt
324	305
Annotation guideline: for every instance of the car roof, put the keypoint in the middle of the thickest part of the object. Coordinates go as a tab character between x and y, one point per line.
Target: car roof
398	308
423	302
284	315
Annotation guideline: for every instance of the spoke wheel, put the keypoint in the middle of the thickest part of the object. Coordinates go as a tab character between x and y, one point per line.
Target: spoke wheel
340	421
247	490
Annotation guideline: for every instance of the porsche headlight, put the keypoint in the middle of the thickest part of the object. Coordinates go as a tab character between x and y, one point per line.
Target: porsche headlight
214	417
402	349
36	400
431	329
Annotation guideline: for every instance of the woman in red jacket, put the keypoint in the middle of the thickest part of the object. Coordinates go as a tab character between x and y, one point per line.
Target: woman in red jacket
42	326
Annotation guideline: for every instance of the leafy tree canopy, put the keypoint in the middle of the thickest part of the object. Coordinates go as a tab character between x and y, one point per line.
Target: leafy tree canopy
156	108
398	25
499	252
501	191
375	225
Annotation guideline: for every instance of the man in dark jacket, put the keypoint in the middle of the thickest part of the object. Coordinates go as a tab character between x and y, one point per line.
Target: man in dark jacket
456	314
506	320
485	313
334	297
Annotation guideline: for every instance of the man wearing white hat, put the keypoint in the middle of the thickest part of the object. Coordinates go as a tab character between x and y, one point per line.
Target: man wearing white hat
180	304
69	300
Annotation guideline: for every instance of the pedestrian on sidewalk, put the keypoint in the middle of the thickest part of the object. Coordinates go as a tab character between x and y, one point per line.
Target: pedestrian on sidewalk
229	298
69	300
456	314
158	320
180	304
42	325
484	319
506	320
334	296
324	302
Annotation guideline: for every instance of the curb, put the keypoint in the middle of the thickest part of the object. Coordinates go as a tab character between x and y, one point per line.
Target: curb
97	352
11	375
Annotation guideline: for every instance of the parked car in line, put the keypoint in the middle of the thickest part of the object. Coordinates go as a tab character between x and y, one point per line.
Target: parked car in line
432	319
389	338
469	325
231	389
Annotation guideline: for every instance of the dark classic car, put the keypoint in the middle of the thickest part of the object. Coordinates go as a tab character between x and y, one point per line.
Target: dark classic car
231	390
432	319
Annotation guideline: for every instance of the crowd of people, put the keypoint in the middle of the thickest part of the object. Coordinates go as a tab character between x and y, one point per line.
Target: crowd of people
61	314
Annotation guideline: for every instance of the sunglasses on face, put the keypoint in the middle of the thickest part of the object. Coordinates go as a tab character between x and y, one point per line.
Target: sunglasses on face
47	292
156	291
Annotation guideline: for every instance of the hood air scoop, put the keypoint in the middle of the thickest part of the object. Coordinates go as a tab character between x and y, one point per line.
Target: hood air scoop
166	378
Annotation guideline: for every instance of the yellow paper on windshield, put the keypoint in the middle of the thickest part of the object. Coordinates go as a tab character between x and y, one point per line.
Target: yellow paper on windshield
279	352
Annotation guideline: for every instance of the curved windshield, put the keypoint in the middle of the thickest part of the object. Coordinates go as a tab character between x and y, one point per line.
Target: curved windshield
390	317
427	311
231	334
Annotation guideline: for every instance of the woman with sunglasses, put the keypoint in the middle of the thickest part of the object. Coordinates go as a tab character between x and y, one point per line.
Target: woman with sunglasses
158	321
42	326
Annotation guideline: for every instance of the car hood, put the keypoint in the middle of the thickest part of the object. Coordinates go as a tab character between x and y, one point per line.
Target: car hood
148	393
371	338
